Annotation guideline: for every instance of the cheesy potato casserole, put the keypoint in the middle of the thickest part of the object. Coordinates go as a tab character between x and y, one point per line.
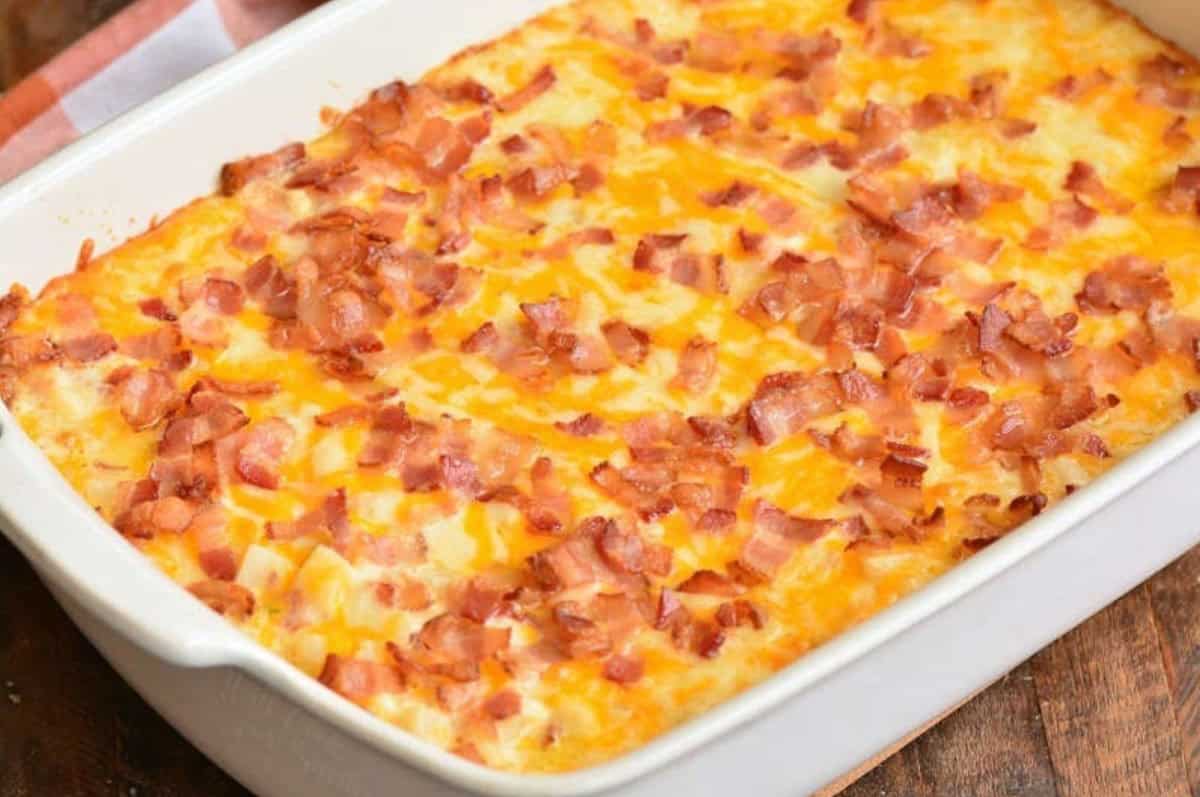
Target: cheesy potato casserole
542	404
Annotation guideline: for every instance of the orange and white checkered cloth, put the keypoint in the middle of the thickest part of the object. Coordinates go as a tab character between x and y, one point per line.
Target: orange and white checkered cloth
142	51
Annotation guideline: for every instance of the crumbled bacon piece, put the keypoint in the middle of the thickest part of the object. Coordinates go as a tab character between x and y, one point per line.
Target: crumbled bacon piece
623	669
706	121
455	646
784	402
1065	215
889	517
360	679
901	481
539	84
860	10
730	196
167	515
709	582
740	613
145	397
697	365
776	535
209	531
629	343
89	348
1176	135
1124	283
467	90
225	597
1083	179
887	40
503	704
236	175
1072	87
223	296
585	425
330	517
260	450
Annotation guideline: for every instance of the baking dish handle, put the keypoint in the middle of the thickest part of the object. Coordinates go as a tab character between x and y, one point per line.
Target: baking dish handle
76	552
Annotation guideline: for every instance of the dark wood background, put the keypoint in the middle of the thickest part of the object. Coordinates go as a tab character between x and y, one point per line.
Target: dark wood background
1110	710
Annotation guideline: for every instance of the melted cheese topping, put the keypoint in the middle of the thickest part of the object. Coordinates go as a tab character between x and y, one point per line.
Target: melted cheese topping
311	601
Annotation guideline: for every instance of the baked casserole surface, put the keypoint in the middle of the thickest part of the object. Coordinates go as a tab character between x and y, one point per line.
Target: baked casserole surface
543	404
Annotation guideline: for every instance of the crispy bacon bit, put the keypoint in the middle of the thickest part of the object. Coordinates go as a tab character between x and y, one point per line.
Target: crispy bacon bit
208	530
740	613
168	515
1017	128
550	509
860	10
1183	194
776	535
467	90
623	669
261	451
1093	444
455	646
1192	399
481	340
706	121
1176	135
1071	403
235	175
992	324
901	481
887	40
360	679
145	397
636	488
1072	87
1065	214
502	705
651	85
539	84
1124	283
697	365
271	288
153	307
330	517
730	196
223	296
709	582
225	597
585	425
442	147
22	350
1083	179
889	517
784	402
89	348
1159	78
629	343
597	236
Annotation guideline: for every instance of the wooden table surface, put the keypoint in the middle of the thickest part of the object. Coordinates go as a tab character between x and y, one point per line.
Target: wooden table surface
1111	709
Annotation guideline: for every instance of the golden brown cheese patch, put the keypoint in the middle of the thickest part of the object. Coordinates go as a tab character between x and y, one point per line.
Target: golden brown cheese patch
545	404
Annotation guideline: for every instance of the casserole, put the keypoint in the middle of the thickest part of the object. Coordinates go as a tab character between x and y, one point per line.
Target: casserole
209	645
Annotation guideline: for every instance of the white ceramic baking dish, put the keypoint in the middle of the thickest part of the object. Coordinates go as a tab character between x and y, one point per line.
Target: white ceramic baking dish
280	732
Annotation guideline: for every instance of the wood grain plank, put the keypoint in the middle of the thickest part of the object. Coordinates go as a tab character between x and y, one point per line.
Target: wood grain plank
1107	708
1175	601
68	724
993	746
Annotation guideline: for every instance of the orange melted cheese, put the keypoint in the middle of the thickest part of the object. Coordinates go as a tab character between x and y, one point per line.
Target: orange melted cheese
571	716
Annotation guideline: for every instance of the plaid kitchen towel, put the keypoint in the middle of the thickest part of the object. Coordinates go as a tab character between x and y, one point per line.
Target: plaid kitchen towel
142	51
